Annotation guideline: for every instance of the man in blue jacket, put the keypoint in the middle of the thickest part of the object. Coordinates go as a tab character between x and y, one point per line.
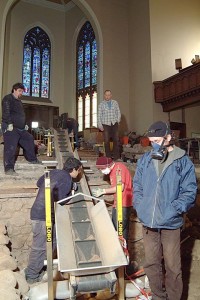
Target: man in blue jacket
61	187
164	189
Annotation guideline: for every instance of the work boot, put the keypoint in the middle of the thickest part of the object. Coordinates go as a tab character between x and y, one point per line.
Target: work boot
11	172
31	280
35	162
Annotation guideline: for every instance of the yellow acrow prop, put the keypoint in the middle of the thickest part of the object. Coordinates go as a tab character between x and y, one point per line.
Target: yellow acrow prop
47	199
120	231
119	204
49	144
49	235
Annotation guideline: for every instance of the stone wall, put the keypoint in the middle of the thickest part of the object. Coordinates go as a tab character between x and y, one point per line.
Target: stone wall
13	285
15	215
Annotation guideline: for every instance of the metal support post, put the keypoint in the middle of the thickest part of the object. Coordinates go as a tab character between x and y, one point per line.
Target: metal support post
49	144
120	230
49	235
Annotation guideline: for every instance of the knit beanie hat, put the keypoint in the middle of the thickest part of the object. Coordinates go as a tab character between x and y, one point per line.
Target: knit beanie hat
104	162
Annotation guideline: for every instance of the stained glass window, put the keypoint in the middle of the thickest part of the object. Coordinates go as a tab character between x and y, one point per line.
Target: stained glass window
36	63
86	86
94	62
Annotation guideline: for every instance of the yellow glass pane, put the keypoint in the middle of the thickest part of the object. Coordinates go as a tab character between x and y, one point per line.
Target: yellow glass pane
87	111
94	109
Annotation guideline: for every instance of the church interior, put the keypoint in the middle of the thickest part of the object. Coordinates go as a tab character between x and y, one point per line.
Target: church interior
146	52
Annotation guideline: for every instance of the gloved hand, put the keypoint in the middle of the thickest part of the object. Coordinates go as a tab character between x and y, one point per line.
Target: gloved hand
26	127
75	186
98	192
10	127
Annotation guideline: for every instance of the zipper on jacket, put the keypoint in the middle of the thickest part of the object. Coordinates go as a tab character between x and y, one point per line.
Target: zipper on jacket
156	195
155	203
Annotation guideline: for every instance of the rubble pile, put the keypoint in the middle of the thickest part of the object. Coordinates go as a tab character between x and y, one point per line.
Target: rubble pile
13	285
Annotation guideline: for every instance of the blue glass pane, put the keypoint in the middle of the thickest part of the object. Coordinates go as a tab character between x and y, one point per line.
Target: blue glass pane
94	62
80	67
26	77
87	64
36	73
36	63
45	73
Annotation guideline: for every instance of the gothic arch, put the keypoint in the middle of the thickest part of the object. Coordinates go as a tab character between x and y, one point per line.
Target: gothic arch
84	6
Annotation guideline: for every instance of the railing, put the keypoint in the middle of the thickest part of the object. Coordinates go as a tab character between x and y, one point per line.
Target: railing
180	90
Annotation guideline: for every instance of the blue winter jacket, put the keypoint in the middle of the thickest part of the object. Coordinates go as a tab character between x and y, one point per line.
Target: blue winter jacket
160	201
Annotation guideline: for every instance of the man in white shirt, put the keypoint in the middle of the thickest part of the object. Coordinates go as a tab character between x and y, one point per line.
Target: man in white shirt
109	116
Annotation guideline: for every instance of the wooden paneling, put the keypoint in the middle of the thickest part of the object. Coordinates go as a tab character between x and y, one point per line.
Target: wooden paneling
181	127
46	115
180	90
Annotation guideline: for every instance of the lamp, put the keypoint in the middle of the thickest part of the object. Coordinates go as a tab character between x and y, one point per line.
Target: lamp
178	64
34	125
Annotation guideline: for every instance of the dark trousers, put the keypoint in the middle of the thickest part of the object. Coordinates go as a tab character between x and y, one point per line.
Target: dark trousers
11	141
164	243
75	131
126	211
111	132
38	249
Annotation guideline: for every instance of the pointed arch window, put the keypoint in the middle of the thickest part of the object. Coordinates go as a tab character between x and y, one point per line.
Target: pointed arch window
86	84
36	63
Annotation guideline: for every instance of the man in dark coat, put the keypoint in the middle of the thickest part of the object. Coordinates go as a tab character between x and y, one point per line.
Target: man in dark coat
71	125
61	186
15	130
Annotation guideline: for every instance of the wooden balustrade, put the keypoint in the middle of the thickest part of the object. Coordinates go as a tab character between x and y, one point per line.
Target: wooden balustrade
179	90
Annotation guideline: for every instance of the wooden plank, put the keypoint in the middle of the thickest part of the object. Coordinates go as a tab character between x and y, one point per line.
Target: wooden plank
17	190
18	186
26	194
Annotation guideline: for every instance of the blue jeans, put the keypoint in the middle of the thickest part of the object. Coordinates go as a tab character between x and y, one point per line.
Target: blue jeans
38	249
163	244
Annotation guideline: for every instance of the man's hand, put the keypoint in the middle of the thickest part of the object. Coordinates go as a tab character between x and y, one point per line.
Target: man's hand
26	127
75	186
10	127
101	128
98	192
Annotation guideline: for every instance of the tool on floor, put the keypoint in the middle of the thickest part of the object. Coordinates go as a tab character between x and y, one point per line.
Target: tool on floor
49	235
49	143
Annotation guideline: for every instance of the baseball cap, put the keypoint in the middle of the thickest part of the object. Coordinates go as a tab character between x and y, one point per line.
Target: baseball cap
158	129
104	162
